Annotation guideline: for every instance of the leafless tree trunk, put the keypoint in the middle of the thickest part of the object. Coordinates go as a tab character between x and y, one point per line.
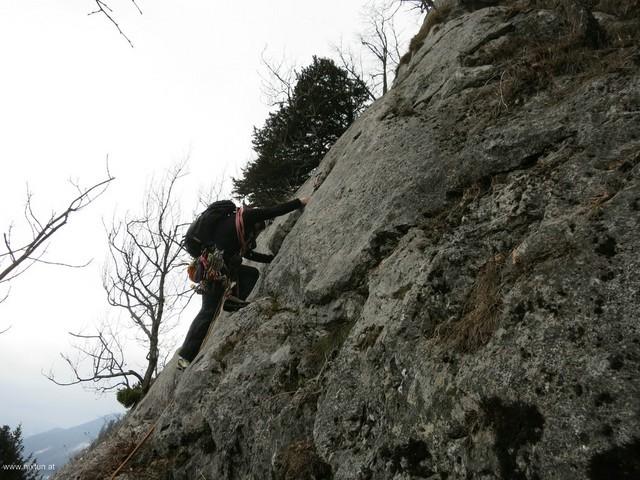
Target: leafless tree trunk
144	279
381	40
17	259
355	68
381	44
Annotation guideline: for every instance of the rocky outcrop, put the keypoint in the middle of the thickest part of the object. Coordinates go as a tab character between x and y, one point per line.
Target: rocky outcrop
460	298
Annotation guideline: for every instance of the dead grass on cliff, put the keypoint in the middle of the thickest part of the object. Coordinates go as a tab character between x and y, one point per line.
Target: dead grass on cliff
119	450
539	66
299	461
480	314
115	451
435	17
583	50
624	9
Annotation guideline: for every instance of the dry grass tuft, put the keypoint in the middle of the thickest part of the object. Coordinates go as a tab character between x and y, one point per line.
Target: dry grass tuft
480	318
109	460
149	468
625	9
531	65
540	65
299	461
435	17
580	50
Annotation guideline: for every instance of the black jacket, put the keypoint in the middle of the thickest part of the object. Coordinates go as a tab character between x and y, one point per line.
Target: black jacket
226	238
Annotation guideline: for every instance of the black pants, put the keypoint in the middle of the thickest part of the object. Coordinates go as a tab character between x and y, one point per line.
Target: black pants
247	278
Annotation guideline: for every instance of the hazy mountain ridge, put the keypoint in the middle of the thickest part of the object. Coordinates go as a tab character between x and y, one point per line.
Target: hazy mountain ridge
57	446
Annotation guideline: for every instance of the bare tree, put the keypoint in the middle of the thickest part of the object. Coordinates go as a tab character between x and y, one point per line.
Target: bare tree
381	40
103	8
17	259
354	66
143	278
278	80
380	46
422	5
212	192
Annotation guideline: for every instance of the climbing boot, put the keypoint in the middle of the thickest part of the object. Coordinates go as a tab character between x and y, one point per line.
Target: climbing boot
183	363
233	304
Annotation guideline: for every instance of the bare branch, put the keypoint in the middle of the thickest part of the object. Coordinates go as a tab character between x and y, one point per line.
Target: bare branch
137	7
353	68
104	9
381	40
381	43
6	295
213	192
14	261
63	264
7	243
422	5
278	81
104	351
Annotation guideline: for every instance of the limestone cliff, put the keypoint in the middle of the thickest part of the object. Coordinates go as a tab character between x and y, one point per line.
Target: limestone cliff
460	299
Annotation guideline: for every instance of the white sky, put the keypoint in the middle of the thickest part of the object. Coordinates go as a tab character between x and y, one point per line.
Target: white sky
72	91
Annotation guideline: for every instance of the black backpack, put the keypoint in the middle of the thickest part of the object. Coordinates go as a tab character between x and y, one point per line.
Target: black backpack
200	231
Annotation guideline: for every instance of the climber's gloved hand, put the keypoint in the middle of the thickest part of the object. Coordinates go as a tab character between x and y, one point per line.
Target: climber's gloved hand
304	201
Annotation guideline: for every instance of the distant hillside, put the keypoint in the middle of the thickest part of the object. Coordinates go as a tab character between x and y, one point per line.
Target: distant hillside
56	446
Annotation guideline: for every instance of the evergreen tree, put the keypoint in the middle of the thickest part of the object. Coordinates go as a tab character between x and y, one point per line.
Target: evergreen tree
322	105
11	456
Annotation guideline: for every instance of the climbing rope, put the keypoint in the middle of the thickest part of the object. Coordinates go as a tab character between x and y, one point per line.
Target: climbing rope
137	447
225	295
240	230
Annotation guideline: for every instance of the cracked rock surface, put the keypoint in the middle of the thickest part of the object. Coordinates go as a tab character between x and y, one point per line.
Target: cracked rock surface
460	298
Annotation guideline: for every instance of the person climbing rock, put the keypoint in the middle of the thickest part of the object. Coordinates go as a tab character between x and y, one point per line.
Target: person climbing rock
219	238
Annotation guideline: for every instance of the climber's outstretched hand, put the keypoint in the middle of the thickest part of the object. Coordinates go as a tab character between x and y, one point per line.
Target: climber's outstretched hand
304	201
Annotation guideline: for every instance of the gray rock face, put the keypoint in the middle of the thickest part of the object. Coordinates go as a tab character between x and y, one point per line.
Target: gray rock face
460	298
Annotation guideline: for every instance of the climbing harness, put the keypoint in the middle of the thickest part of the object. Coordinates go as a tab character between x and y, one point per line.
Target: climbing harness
209	267
240	230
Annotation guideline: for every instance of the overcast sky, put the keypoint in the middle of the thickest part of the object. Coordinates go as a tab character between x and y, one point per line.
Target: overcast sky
72	91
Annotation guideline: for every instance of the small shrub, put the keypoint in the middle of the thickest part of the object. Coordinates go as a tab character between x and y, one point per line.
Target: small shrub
437	15
130	396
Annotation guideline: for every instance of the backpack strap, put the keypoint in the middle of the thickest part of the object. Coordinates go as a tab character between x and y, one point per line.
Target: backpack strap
240	230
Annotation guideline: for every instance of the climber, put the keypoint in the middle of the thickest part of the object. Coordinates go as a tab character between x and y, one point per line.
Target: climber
232	237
